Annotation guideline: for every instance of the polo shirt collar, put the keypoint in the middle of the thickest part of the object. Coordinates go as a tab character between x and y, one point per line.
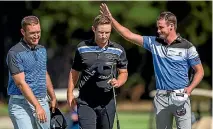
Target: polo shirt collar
177	40
109	44
25	44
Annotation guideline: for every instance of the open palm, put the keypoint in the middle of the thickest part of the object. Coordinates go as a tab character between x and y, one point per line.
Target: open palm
104	10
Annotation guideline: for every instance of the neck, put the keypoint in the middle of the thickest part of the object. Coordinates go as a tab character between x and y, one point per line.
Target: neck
100	44
31	45
171	38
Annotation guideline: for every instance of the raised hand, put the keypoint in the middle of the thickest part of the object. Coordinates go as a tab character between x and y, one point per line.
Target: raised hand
104	10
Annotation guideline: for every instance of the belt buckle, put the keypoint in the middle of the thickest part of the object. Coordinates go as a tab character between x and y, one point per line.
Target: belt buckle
168	92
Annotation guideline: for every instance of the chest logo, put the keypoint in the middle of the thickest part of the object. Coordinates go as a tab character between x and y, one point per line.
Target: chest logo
110	57
174	53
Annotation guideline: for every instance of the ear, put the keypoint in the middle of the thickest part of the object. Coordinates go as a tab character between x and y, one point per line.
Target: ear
171	26
22	32
93	29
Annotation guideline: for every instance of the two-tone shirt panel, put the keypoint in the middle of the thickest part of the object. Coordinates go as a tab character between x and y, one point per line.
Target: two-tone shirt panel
32	62
171	62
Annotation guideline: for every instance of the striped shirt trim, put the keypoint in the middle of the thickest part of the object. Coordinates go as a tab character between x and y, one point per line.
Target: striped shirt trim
87	49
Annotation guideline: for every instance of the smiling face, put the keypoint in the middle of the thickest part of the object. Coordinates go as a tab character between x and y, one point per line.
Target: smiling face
166	24
32	34
31	30
163	28
102	33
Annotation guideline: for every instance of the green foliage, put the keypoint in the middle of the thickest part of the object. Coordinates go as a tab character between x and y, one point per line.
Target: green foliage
133	80
79	15
204	85
199	28
207	70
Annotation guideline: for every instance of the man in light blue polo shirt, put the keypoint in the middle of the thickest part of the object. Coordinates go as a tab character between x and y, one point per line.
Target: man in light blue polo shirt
29	82
172	57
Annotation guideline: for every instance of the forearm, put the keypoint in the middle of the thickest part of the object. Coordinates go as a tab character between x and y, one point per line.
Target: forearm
50	92
123	31
70	88
127	34
197	79
28	94
122	77
73	79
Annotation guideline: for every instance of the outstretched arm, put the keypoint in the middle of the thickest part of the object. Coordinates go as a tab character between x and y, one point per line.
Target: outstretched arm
123	31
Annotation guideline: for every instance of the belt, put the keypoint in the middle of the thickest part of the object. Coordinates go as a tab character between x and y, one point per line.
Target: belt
22	97
164	91
17	96
168	92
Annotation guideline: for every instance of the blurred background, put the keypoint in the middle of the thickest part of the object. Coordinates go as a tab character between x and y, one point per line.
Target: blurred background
65	24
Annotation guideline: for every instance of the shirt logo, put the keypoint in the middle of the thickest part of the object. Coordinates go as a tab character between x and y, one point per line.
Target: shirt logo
110	56
174	53
180	54
196	59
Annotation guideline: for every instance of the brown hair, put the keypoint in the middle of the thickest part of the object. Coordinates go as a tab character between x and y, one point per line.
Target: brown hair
29	20
100	20
169	18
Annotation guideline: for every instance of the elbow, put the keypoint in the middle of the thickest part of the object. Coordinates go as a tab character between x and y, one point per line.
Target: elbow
201	72
19	84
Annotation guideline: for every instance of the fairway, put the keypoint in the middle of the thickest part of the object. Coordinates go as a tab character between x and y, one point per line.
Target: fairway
136	120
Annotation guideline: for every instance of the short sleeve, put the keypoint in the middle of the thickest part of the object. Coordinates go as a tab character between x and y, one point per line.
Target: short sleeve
148	41
77	63
122	62
193	56
14	63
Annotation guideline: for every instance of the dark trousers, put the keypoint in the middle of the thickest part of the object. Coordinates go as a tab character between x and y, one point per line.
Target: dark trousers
99	117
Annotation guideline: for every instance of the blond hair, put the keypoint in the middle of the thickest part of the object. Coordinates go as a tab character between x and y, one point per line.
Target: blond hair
100	20
29	20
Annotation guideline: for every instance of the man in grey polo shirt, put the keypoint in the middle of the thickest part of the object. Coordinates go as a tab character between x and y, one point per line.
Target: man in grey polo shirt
29	82
172	57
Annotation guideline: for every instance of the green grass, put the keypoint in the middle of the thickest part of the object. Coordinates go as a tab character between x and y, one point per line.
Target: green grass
128	120
139	120
136	120
3	110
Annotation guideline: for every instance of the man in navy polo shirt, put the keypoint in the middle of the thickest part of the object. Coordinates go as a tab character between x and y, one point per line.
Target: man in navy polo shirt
29	82
172	58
